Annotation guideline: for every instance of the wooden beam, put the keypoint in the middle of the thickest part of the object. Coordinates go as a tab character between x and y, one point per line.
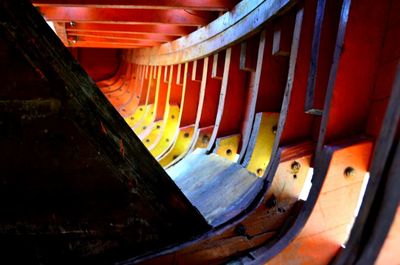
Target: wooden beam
245	19
164	29
122	41
125	16
210	5
123	36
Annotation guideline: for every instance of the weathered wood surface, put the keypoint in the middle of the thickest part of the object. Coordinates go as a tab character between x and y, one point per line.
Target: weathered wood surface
260	222
219	188
77	184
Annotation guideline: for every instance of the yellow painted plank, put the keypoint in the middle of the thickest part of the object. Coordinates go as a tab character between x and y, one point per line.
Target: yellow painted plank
155	133
136	116
179	148
170	129
228	146
147	119
261	142
202	137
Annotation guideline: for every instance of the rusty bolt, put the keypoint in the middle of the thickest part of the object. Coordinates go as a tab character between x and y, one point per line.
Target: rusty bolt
186	135
259	171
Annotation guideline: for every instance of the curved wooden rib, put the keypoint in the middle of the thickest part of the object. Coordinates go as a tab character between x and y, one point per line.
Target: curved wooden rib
187	118
231	104
179	148
244	19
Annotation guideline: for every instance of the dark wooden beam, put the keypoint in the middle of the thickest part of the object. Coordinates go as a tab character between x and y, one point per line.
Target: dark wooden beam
81	183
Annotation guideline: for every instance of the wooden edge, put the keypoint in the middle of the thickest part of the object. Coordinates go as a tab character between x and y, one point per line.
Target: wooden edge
384	215
295	224
381	154
312	75
247	17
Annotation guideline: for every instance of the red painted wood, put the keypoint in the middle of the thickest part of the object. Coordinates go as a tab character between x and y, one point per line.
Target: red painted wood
191	99
123	36
176	89
210	5
274	69
100	64
211	95
125	16
163	29
162	93
145	85
234	105
389	59
298	125
356	73
327	46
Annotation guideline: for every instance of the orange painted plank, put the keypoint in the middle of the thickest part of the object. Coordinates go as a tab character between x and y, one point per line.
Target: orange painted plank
210	5
164	29
124	36
125	16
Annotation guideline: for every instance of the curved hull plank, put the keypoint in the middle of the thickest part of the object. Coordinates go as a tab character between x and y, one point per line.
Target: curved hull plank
232	132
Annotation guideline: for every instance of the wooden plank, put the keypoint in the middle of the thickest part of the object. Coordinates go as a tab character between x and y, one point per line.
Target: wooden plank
93	187
163	29
233	90
261	142
208	5
266	217
221	33
381	153
323	44
228	146
179	148
123	16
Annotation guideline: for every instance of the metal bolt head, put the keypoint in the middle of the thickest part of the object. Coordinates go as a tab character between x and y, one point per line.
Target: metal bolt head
295	166
349	172
229	152
274	129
